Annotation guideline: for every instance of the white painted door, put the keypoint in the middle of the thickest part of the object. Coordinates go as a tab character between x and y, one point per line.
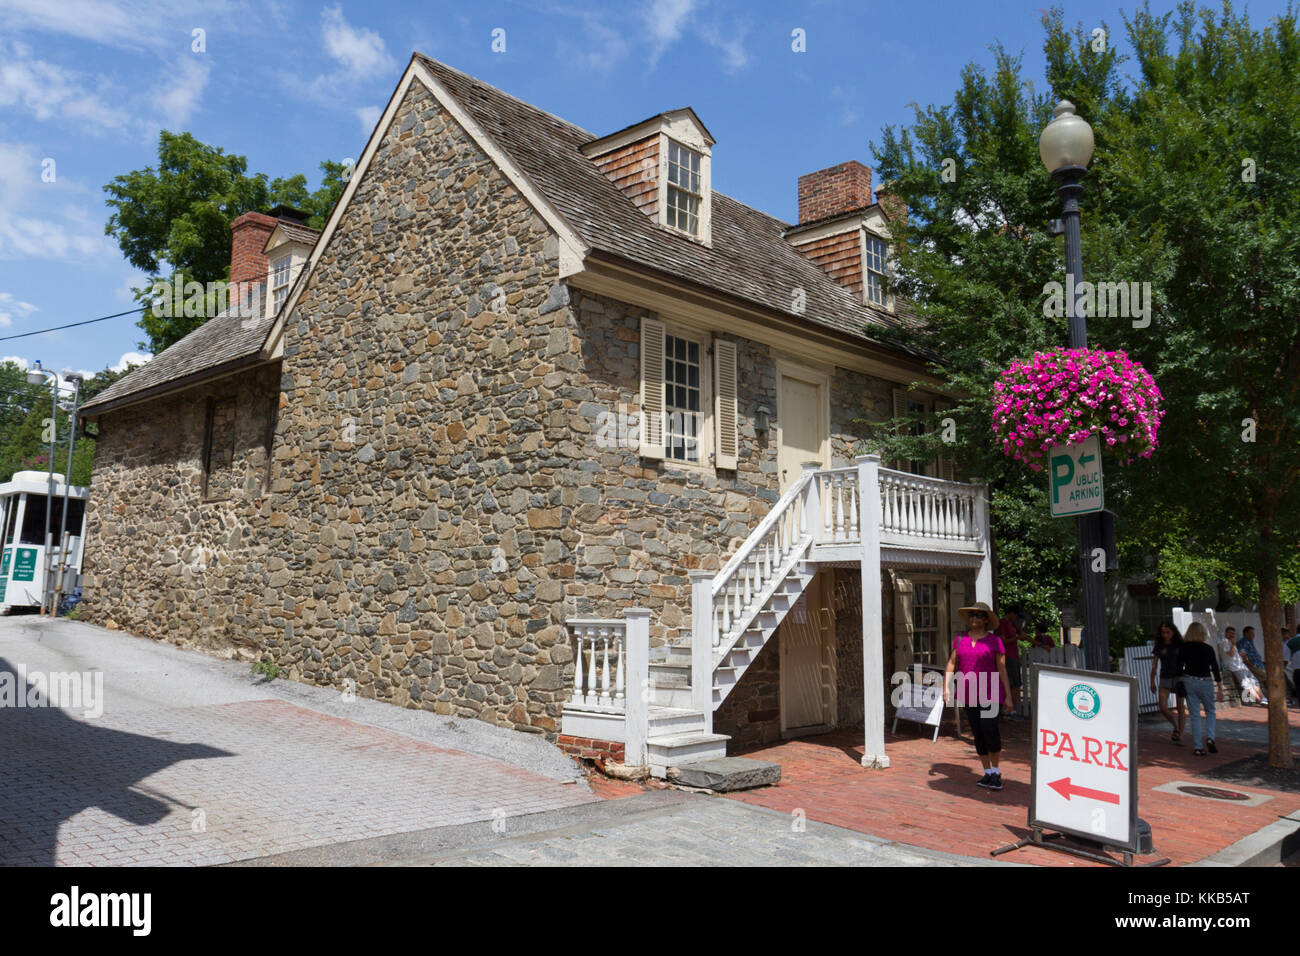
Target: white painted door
799	415
804	665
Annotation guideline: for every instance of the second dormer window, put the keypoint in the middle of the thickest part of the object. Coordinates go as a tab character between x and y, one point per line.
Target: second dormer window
873	271
280	281
684	193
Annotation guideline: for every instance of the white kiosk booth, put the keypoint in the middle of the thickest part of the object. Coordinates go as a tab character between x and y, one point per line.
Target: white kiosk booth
22	561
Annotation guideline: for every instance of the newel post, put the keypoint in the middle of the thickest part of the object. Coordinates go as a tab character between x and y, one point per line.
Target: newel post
703	622
984	532
637	712
873	651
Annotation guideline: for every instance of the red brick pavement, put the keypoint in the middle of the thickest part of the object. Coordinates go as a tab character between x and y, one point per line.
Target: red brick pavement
929	798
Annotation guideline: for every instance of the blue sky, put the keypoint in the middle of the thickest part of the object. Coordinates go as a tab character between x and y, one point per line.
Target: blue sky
88	84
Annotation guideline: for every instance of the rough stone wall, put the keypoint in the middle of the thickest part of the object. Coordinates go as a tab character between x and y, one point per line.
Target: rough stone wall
857	399
417	526
641	526
160	560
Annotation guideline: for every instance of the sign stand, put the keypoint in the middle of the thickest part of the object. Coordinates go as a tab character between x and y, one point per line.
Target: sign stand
1083	776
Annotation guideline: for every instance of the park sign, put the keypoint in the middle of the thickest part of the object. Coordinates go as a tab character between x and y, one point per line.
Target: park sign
1083	778
1074	478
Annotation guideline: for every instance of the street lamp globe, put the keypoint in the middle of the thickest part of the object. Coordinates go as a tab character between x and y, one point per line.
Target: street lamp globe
1066	141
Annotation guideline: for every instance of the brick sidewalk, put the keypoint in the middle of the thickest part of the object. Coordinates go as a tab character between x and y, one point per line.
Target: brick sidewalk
212	784
929	798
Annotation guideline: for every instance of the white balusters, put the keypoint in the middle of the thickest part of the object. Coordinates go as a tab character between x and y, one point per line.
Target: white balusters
917	506
599	677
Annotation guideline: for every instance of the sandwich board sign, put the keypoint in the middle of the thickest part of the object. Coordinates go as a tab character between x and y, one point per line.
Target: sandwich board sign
1074	478
1083	778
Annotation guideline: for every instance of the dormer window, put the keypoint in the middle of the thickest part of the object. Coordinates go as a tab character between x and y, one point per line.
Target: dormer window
873	271
663	166
279	281
684	193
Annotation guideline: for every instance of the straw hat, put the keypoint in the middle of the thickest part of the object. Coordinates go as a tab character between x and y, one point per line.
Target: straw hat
978	606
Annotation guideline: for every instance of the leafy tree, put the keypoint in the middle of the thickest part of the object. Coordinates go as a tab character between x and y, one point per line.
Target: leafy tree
172	220
1194	188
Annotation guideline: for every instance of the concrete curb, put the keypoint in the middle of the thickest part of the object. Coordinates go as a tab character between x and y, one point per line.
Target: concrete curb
1265	847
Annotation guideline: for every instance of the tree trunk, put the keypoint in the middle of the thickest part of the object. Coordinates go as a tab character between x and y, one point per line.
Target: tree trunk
1270	622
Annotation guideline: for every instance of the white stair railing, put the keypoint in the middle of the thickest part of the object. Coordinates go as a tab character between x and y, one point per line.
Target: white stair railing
930	508
795	519
838	491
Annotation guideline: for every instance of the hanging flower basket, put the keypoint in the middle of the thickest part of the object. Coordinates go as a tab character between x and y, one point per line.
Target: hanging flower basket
1065	395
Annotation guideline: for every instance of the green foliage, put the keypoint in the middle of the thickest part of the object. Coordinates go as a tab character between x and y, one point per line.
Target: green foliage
24	410
1165	202
172	220
266	669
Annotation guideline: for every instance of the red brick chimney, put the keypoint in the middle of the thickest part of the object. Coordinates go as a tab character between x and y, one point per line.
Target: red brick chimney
248	235
829	192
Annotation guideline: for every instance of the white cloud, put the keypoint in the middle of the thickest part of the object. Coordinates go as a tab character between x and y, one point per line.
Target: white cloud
849	102
665	20
48	91
16	359
178	95
600	50
361	52
11	308
369	117
731	43
30	237
129	359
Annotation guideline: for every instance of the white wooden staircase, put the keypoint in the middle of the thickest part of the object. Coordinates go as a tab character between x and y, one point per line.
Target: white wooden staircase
736	611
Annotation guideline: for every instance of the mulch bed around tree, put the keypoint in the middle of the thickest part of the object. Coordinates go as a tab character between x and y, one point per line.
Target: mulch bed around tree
1254	771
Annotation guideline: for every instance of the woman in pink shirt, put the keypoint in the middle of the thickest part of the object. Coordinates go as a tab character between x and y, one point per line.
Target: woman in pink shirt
978	654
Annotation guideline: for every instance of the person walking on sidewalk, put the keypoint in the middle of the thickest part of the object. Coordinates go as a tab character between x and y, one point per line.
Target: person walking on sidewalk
1198	666
978	654
1164	658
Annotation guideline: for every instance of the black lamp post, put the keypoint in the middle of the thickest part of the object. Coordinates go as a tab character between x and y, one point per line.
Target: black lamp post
1066	149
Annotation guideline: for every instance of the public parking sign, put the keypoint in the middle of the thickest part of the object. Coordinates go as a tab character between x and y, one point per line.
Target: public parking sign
1074	478
1083	779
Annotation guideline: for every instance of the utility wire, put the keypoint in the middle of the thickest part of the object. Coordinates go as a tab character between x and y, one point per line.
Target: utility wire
73	325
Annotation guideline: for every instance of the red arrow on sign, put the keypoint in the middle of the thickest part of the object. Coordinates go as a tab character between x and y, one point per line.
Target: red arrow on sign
1064	788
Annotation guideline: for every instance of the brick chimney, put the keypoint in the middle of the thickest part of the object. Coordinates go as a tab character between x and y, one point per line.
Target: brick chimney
248	235
830	192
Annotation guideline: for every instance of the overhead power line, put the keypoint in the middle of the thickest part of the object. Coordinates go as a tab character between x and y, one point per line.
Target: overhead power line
73	325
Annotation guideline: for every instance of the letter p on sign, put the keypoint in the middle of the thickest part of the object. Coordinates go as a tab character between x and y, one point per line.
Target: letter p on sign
1062	475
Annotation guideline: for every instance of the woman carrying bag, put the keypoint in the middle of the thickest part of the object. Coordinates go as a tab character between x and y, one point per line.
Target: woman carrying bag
978	654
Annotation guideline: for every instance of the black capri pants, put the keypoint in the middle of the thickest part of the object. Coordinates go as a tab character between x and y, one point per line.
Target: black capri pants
988	738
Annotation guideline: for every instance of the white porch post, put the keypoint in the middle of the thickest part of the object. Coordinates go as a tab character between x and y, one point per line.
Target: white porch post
638	686
873	659
702	639
984	577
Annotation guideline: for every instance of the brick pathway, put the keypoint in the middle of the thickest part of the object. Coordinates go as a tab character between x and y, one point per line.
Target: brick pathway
211	784
928	797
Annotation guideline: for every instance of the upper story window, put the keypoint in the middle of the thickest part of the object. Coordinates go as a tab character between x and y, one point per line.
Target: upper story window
681	398
684	190
280	281
873	270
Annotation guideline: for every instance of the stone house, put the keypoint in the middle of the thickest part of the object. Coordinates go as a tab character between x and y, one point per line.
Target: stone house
544	431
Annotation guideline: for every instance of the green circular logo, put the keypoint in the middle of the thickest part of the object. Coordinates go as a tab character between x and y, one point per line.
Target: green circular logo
1084	701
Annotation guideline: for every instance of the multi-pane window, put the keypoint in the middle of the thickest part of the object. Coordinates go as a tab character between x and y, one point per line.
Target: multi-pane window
925	623
873	272
681	398
280	281
684	193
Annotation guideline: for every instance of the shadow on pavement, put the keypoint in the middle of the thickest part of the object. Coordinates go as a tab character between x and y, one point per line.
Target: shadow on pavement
54	765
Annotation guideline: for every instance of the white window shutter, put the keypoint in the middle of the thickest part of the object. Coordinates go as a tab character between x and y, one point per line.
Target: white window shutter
652	388
726	439
904	648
